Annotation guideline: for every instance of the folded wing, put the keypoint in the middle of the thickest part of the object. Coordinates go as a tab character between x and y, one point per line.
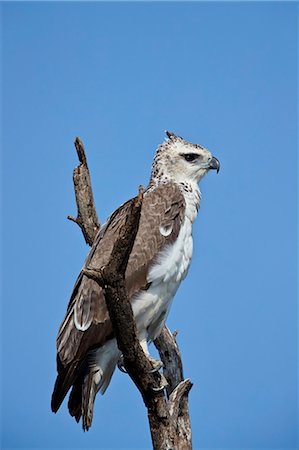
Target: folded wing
87	326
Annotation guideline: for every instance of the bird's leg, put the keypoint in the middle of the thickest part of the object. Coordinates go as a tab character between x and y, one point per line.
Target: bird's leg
120	364
156	363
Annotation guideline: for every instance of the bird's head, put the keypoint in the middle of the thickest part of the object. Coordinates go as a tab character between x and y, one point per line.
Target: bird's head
182	161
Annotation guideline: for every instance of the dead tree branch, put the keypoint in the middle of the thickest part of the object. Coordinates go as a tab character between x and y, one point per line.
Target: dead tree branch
178	388
168	416
87	218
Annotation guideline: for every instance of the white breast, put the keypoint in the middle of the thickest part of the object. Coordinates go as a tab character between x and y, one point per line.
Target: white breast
151	307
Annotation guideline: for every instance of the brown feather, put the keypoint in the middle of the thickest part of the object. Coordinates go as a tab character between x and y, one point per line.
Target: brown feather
75	399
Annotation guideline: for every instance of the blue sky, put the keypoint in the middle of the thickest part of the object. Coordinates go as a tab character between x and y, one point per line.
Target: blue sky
118	74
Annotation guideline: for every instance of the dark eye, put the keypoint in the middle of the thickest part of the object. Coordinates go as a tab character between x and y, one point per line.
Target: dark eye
190	156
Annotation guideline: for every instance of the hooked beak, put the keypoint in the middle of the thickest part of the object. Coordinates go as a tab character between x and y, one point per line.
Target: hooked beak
214	164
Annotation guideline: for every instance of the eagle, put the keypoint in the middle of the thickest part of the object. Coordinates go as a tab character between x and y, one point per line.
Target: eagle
87	351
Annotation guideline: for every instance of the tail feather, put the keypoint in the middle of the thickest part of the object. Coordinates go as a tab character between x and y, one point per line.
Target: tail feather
89	391
87	379
65	378
75	399
101	365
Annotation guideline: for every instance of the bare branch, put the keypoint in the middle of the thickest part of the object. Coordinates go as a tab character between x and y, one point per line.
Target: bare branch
176	396
87	218
73	219
170	356
177	388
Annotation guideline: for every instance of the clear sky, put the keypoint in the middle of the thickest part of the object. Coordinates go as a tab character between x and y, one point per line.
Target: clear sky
222	75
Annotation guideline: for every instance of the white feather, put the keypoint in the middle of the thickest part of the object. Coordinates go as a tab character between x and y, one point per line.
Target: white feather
105	361
165	231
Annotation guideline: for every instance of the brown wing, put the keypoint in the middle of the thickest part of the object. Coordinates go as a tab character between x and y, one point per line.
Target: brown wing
87	324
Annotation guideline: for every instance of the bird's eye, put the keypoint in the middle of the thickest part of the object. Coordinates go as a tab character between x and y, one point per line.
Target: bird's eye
190	156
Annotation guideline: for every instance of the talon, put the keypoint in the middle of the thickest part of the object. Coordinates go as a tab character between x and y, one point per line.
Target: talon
156	363
157	367
158	389
121	368
120	364
164	383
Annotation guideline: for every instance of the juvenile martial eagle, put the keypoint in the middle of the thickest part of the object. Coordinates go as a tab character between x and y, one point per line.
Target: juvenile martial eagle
87	351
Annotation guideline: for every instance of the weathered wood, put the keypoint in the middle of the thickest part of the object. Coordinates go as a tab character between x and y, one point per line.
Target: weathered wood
168	416
170	356
87	218
178	388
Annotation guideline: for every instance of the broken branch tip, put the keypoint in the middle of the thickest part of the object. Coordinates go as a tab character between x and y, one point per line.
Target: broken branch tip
72	219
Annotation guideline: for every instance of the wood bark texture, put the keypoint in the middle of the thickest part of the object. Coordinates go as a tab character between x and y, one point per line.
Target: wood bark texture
87	218
168	412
